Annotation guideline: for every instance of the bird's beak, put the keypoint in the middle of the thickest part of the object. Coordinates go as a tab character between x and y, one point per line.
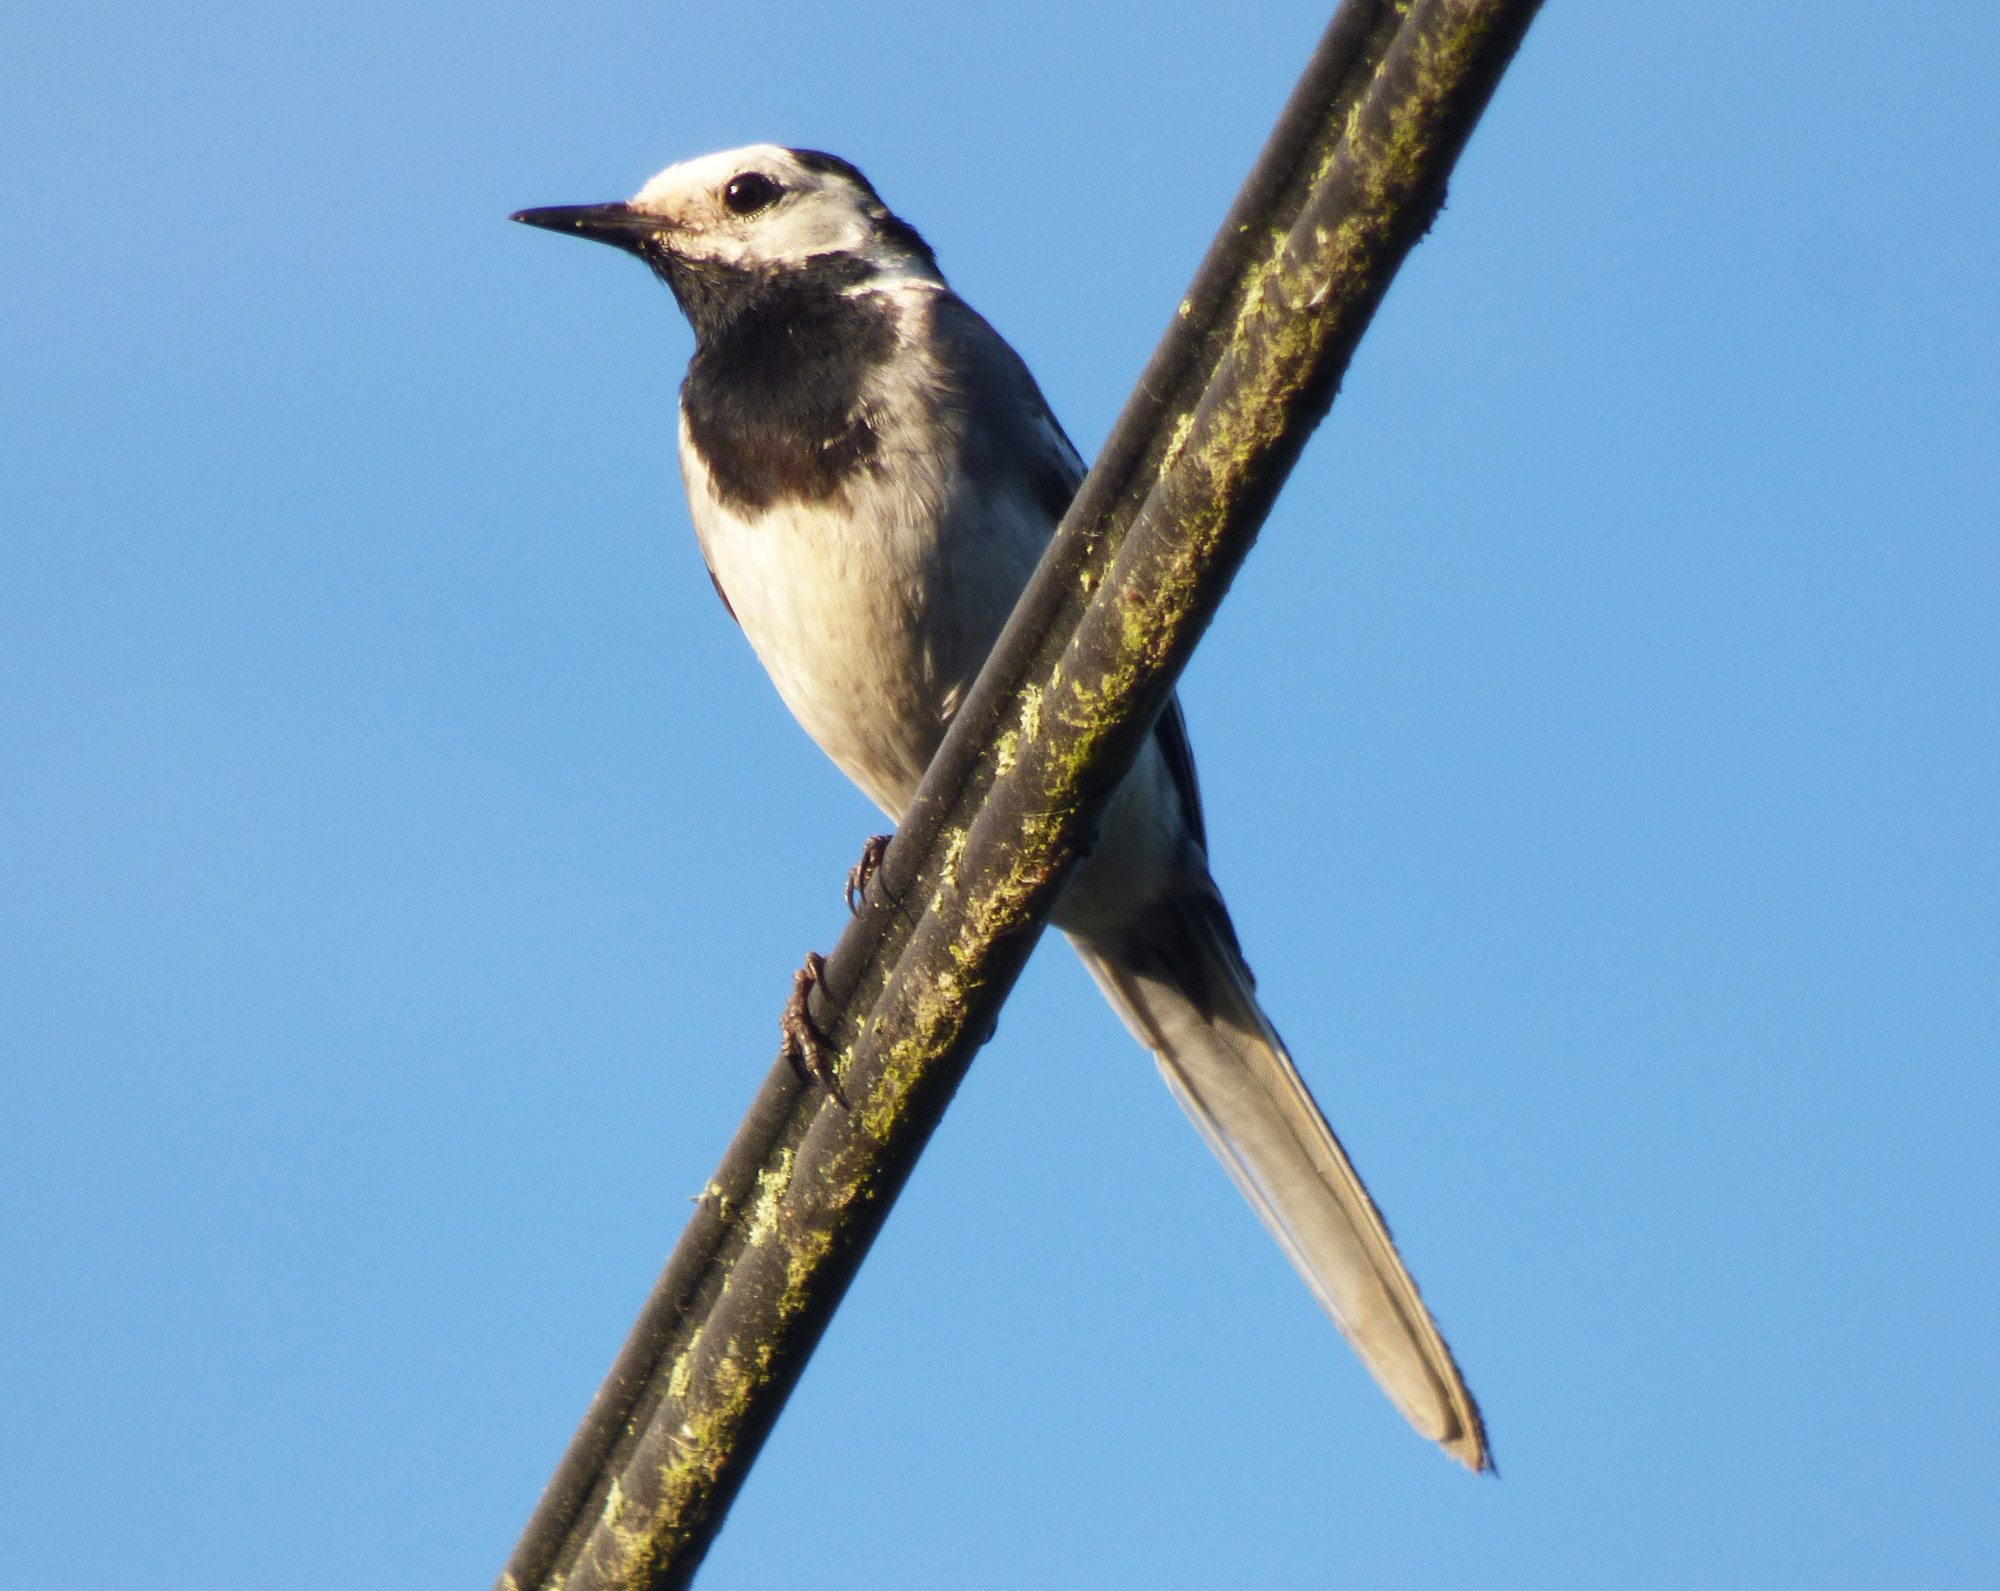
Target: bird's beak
617	224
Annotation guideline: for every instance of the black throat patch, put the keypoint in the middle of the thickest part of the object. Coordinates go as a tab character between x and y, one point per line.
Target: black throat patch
773	393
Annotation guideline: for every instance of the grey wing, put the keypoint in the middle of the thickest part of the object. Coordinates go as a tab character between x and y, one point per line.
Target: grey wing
1009	428
1026	435
1056	468
1171	732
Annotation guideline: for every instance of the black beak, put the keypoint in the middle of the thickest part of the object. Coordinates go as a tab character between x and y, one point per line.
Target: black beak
617	224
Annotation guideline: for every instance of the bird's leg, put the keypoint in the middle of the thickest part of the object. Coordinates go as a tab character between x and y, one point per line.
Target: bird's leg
862	871
804	1045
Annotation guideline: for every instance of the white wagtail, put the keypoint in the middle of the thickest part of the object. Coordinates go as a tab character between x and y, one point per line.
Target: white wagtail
872	474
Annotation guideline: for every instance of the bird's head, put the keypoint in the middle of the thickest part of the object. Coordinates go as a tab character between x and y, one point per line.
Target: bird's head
717	224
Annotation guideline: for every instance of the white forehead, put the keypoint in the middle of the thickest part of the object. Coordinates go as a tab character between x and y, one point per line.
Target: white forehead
707	175
824	211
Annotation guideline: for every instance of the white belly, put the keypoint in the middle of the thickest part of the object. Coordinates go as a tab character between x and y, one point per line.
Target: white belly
871	611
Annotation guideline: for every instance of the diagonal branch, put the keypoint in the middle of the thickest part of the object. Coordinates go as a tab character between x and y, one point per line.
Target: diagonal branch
1352	177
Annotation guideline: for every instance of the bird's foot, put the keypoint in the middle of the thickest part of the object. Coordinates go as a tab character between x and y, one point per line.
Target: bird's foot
862	871
804	1045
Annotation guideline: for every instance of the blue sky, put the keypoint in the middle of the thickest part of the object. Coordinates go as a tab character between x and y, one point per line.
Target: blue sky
405	858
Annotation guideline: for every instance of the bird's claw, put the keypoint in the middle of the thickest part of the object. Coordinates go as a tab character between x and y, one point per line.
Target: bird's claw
862	871
804	1045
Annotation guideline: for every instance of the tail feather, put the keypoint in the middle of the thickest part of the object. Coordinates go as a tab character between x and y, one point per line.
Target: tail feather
1195	1008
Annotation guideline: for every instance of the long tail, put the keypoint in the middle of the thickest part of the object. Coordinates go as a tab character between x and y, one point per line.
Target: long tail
1195	1008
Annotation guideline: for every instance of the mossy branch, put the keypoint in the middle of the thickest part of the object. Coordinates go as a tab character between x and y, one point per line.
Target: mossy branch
1352	177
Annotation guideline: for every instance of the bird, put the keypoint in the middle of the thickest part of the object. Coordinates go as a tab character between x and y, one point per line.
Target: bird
873	473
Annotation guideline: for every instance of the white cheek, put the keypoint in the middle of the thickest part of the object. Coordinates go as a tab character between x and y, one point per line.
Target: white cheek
784	237
808	228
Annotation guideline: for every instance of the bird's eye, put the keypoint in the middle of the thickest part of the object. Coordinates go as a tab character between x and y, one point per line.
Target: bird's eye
751	192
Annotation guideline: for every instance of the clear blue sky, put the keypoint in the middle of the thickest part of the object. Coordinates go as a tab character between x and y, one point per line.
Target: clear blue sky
404	858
